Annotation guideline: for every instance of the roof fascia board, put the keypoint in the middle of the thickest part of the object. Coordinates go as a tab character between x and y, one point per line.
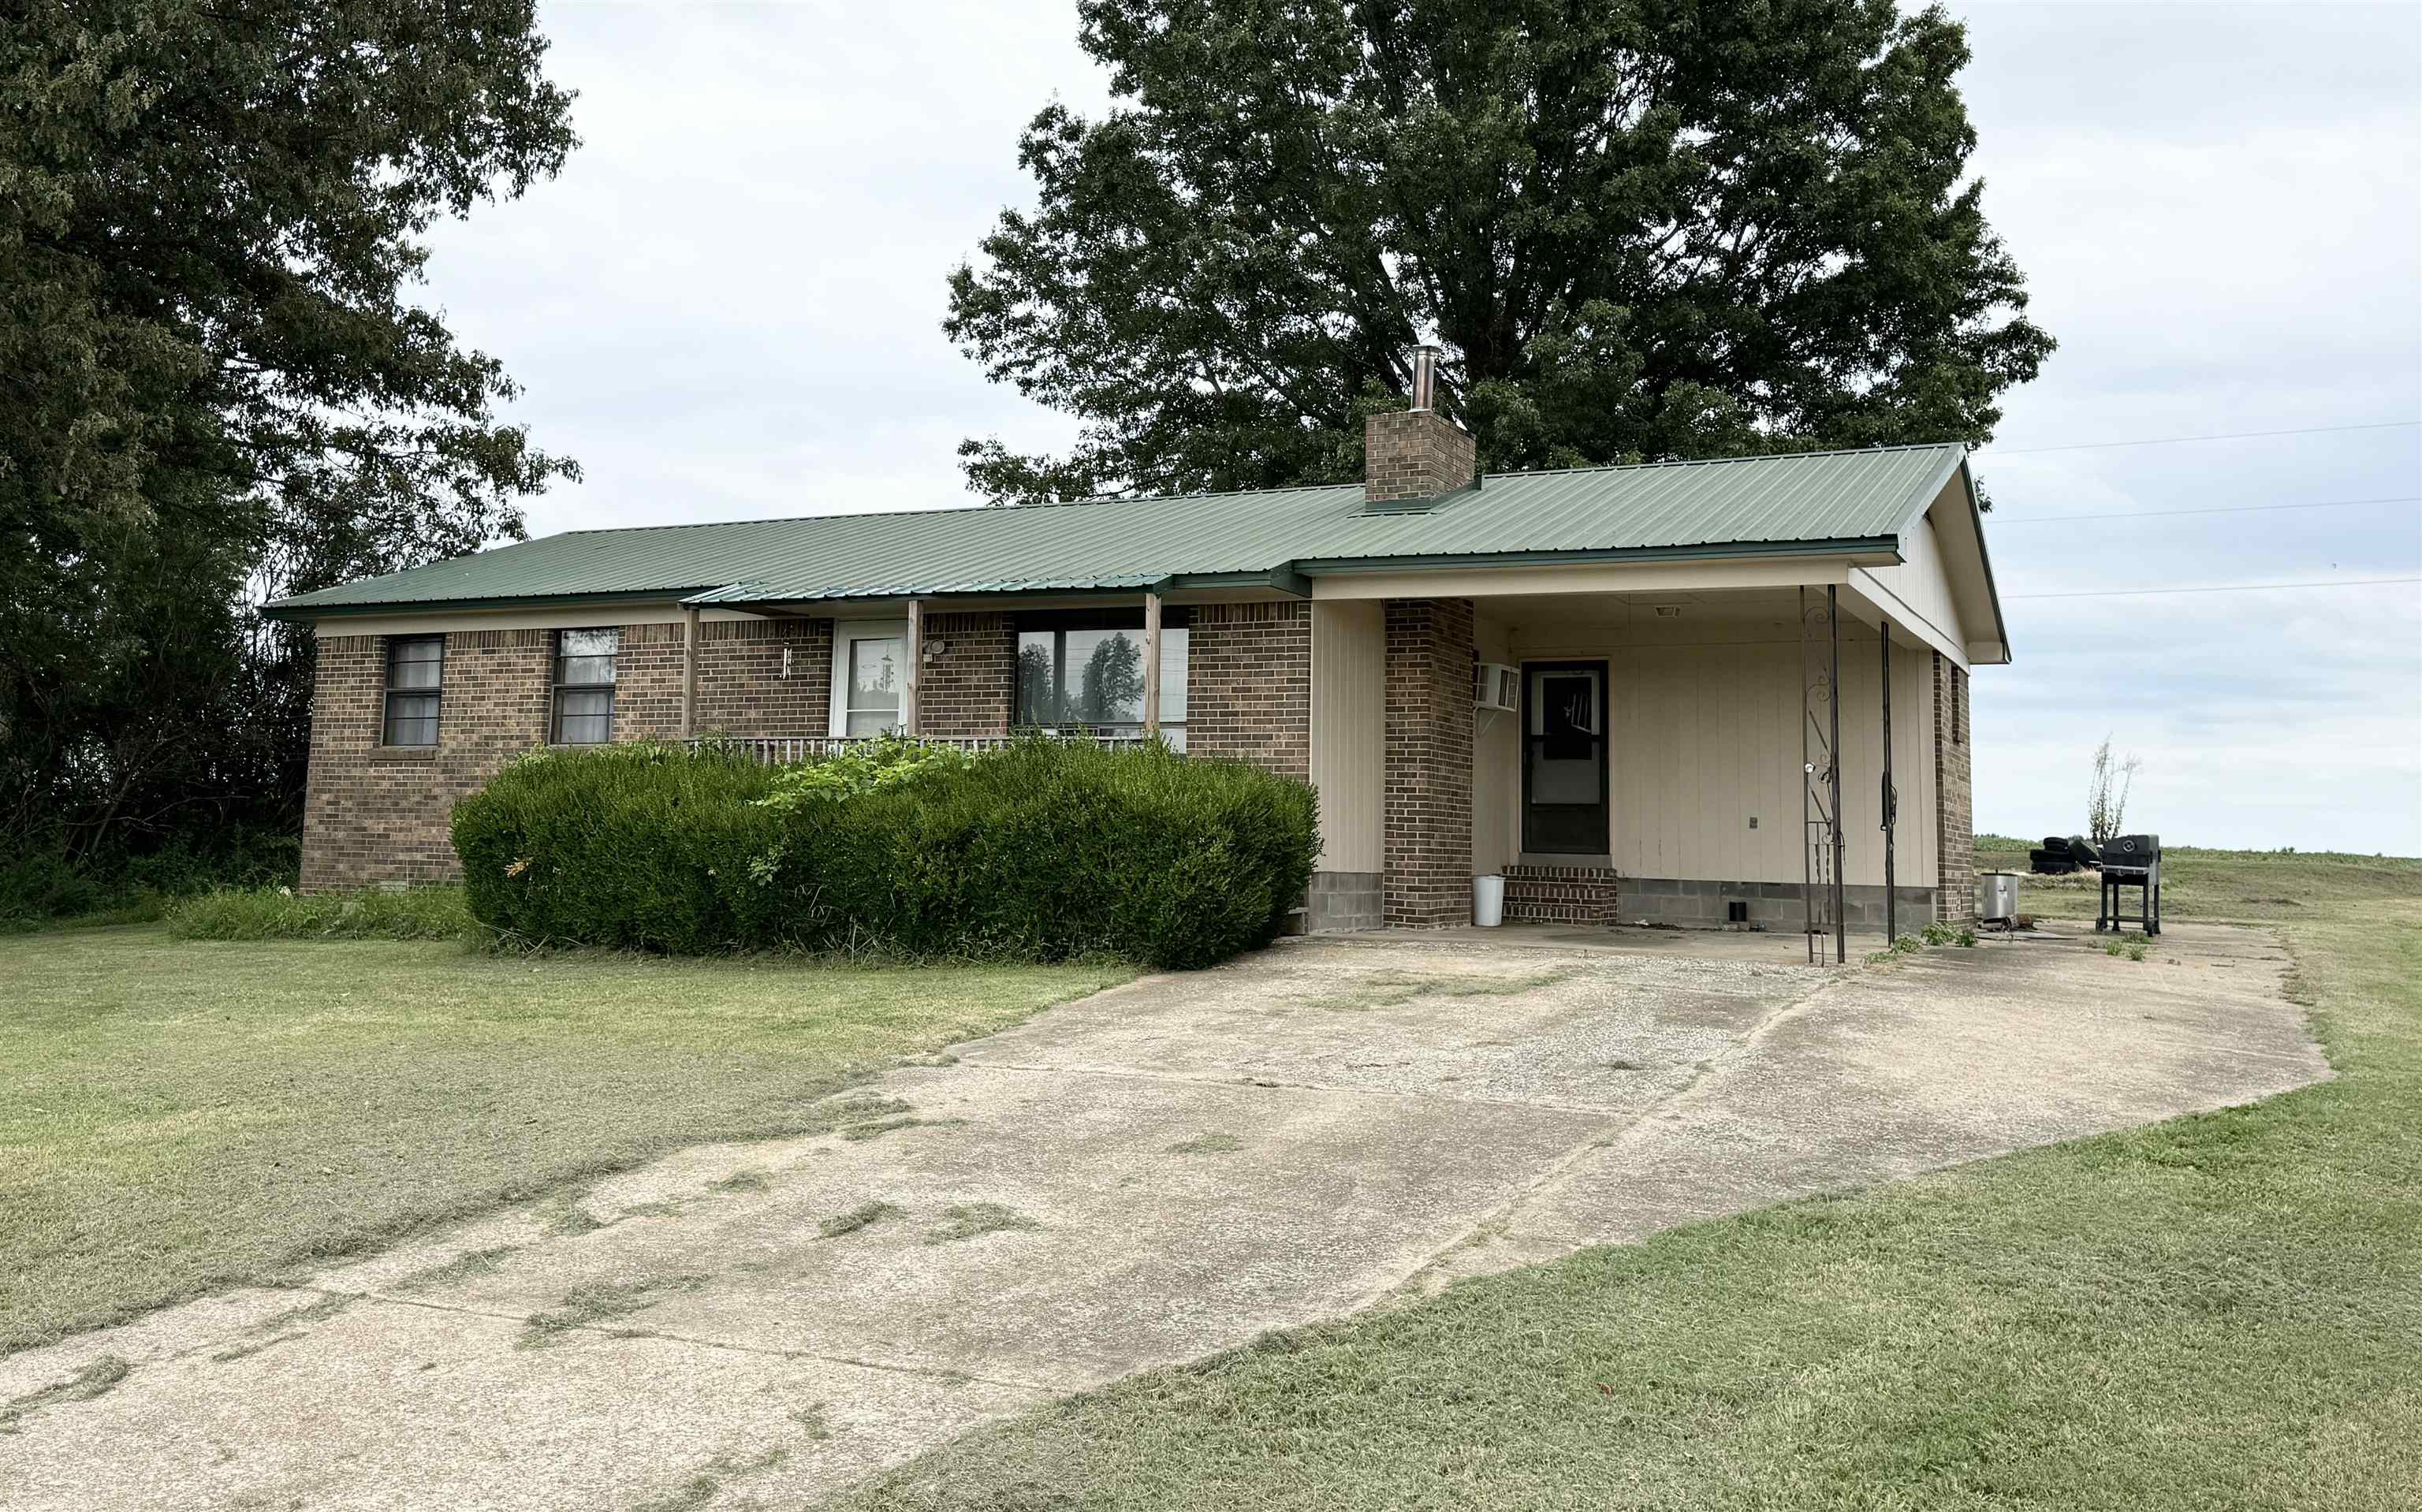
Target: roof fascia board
1284	578
1985	558
290	609
1591	578
1887	547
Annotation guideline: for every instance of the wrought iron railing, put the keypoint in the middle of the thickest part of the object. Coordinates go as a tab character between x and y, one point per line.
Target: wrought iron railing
788	750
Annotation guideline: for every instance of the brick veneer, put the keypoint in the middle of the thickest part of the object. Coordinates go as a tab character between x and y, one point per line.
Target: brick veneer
1414	454
741	689
376	814
1955	835
1561	895
372	813
1249	685
1427	823
970	688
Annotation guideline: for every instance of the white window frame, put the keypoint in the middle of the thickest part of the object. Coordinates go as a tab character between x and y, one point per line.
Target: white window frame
846	631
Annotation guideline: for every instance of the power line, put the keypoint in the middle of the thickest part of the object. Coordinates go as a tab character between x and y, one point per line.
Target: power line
2225	588
2229	509
2173	440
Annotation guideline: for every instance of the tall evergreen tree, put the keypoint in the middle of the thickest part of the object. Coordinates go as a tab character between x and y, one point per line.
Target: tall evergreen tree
1640	228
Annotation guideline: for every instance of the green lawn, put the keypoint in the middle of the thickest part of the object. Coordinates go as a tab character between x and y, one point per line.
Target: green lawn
2219	1312
175	1116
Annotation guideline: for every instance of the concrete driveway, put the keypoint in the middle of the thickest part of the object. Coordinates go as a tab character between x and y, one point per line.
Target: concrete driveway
1152	1175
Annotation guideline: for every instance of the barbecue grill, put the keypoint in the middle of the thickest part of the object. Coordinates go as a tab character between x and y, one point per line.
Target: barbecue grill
2132	861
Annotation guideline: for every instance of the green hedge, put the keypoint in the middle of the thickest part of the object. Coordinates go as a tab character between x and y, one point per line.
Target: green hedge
1041	851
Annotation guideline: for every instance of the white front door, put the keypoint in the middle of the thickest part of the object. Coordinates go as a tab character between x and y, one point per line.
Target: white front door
870	676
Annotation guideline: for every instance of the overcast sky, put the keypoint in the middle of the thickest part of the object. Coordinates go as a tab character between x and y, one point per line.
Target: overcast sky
729	305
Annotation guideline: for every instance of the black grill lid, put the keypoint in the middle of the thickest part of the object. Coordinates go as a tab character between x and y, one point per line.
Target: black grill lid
2131	852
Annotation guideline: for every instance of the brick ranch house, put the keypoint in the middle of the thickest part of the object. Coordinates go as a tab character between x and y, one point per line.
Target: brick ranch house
1611	685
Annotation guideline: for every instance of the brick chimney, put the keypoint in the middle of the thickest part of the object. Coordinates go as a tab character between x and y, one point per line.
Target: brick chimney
1415	453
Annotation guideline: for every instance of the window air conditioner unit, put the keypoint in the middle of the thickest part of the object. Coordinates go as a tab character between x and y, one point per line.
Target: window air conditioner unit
1498	686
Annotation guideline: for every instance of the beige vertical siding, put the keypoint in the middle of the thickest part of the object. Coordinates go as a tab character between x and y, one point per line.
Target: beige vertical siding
1705	733
1496	775
1923	587
1348	732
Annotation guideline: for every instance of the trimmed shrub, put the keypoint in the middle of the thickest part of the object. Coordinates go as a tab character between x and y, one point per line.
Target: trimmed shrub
640	846
280	913
1041	851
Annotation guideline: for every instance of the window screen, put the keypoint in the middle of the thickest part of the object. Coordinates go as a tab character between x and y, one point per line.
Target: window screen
584	686
416	670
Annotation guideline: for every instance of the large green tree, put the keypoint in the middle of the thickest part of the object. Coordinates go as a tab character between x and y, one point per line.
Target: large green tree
1640	229
215	382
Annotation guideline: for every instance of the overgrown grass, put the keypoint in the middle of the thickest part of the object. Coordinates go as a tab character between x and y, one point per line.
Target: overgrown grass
2221	1311
177	1116
280	913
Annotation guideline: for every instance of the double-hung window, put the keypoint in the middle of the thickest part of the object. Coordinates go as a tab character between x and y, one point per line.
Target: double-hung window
1085	671
415	671
584	686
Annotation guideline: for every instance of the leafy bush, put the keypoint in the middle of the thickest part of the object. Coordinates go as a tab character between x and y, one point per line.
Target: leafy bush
640	846
280	913
1040	851
40	886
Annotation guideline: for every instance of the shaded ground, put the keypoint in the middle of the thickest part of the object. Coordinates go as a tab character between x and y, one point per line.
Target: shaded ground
1153	1175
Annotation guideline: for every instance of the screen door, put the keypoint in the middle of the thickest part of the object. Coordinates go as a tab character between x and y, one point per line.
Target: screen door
1564	758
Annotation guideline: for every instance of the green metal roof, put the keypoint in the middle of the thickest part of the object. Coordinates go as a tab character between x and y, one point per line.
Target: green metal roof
1834	501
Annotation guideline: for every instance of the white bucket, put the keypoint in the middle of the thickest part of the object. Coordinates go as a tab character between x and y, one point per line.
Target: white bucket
1488	901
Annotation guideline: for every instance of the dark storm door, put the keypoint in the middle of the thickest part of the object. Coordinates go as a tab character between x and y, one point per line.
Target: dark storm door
1564	758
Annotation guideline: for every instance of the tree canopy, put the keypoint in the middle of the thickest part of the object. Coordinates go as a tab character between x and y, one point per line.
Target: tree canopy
1640	229
217	383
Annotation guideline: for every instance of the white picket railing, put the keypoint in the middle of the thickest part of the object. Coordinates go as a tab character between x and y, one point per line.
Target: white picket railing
788	750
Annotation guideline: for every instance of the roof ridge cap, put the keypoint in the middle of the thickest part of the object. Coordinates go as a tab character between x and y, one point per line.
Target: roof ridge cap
956	509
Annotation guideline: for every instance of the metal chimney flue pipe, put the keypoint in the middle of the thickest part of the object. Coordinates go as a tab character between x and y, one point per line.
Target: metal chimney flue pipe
1424	378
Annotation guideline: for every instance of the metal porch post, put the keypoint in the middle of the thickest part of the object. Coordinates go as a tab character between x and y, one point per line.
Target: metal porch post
1891	801
1834	626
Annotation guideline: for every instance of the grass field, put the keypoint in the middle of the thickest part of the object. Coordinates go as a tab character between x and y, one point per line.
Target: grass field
2219	1312
176	1116
2219	885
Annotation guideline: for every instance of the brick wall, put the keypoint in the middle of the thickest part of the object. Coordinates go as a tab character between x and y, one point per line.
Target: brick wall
378	814
382	814
970	689
1955	835
1249	685
741	689
1413	454
648	682
1561	895
1427	841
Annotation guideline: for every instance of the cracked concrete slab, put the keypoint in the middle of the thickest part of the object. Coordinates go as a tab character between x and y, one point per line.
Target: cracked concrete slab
1153	1175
